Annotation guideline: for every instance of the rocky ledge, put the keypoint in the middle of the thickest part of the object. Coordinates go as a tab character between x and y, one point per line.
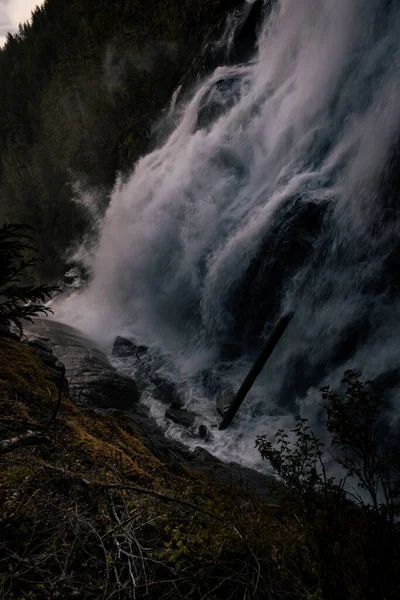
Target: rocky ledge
93	383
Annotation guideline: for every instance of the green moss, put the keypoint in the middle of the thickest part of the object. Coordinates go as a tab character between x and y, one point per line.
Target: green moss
22	371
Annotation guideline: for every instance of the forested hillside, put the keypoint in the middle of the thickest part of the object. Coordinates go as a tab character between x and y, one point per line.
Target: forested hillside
81	86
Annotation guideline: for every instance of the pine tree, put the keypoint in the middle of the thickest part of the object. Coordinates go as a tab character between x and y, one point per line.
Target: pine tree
19	302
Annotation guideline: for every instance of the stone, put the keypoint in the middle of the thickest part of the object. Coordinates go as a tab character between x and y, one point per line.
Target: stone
106	389
59	378
181	416
165	390
50	360
204	434
5	331
40	344
123	347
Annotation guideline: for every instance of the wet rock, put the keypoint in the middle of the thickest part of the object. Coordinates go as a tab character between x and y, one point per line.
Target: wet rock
40	344
165	390
50	360
204	434
123	347
6	331
59	379
53	365
246	37
106	389
181	416
224	399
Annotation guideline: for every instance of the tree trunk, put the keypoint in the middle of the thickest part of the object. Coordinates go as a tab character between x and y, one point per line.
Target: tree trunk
256	370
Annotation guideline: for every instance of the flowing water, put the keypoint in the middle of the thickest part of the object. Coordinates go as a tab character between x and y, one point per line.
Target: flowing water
275	191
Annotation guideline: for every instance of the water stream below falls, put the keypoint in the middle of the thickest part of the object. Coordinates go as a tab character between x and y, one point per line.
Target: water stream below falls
276	190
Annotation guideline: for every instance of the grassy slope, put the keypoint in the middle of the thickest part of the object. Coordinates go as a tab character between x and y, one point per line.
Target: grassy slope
65	531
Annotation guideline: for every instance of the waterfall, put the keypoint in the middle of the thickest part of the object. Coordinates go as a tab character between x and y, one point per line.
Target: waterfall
275	191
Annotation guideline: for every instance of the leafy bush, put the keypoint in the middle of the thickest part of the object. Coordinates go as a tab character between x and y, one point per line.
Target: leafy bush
19	302
349	524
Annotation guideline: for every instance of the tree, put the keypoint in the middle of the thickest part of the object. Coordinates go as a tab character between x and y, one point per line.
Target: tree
19	302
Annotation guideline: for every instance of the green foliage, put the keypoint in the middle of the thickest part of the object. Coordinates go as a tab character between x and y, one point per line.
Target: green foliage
300	465
19	302
353	421
342	525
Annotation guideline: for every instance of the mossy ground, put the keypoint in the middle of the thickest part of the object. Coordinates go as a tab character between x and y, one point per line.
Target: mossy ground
73	526
60	536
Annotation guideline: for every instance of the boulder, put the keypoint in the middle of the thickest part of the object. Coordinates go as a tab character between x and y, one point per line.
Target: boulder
107	389
50	360
181	416
124	347
6	331
165	390
40	344
55	367
204	434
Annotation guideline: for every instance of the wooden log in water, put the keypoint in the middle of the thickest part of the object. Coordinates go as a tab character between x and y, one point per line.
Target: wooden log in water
256	370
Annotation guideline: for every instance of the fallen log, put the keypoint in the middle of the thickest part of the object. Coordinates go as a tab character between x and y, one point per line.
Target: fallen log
255	370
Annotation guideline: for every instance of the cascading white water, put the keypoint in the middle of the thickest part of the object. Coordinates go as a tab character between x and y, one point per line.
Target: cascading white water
270	194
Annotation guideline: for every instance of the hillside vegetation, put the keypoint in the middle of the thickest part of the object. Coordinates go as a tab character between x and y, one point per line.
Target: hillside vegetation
82	85
88	511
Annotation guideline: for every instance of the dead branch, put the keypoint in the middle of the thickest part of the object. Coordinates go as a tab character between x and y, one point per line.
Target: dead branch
29	439
128	487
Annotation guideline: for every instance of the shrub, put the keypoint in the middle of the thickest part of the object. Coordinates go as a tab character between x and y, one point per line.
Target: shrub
19	302
349	524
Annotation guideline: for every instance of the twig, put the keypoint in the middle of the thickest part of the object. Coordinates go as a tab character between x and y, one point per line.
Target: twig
57	408
132	488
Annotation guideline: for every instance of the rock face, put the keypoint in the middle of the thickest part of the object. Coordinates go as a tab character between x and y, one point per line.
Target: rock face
123	347
181	416
165	390
55	367
93	381
107	389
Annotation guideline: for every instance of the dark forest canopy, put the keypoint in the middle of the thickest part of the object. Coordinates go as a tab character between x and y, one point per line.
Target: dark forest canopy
82	84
